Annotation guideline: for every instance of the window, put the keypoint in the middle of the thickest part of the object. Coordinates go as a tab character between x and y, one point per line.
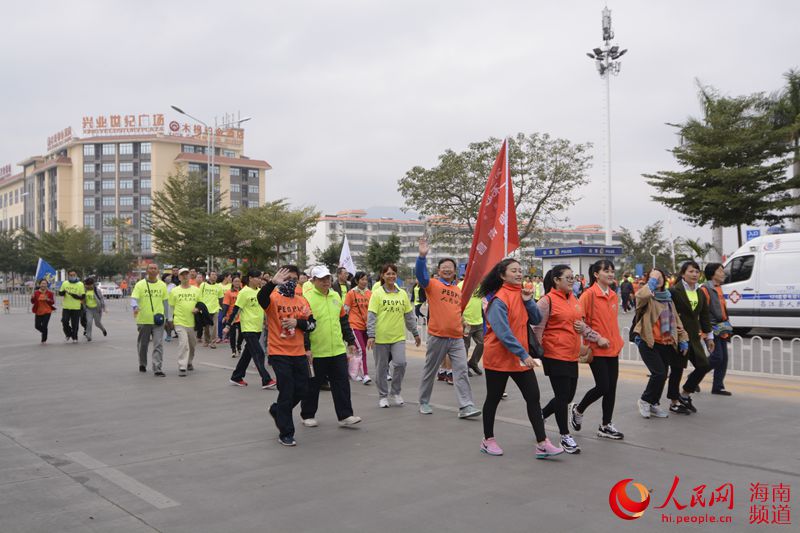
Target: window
144	166
109	201
216	170
228	153
147	241
88	221
187	148
126	184
88	149
144	184
145	201
126	167
252	173
88	185
739	269
194	167
88	201
235	171
254	188
108	168
108	185
235	187
88	168
109	149
144	148
108	218
234	204
108	242
126	148
126	201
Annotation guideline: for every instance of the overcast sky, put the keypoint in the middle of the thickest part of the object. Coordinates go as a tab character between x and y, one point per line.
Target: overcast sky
346	96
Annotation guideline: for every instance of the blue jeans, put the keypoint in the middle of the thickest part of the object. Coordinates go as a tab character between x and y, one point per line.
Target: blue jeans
719	362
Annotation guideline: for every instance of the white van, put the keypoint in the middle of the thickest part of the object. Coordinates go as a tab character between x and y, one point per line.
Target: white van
762	283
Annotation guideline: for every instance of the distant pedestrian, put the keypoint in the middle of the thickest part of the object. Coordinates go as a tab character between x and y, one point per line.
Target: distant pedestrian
44	303
356	304
74	294
234	329
473	329
148	301
95	306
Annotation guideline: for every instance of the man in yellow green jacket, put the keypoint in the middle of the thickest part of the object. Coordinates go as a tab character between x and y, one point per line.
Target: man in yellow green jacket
74	294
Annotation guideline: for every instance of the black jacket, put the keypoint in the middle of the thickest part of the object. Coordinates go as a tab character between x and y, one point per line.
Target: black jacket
694	321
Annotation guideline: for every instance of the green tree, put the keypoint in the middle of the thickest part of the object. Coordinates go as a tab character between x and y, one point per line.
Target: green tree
693	250
546	173
330	255
637	249
787	115
734	165
67	248
109	265
379	254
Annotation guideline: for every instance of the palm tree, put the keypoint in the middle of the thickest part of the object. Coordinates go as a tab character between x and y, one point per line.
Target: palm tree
693	250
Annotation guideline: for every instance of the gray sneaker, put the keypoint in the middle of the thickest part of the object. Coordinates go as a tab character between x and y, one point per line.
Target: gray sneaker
658	412
425	409
644	408
469	412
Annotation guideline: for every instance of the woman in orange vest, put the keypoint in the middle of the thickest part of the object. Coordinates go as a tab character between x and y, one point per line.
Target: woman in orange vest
600	308
228	303
356	302
509	310
560	335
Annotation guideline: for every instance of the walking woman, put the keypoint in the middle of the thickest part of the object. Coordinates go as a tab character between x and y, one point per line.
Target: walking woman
560	335
356	303
235	331
94	307
389	314
510	310
718	313
692	307
600	307
660	336
44	303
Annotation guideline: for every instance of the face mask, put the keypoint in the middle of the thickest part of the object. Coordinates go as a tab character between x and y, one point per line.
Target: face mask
73	280
288	287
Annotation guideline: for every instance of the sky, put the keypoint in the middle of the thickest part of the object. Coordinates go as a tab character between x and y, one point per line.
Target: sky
346	96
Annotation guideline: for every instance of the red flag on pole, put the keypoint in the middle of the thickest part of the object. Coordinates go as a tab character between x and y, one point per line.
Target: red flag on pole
496	233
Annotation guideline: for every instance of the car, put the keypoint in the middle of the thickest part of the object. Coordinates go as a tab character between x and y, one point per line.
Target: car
110	290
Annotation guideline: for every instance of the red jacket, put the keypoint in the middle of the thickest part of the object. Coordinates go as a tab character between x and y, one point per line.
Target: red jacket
43	303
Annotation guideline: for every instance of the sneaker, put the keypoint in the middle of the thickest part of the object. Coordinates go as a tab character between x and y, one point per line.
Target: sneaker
234	355
441	376
367	380
239	383
274	414
272	385
645	409
383	403
425	409
547	449
142	368
490	447
310	422
398	400
388	377
475	368
569	444
679	408
470	373
504	396
722	392
212	346
350	421
609	432
658	412
469	411
358	378
449	378
158	374
686	401
190	367
287	441
182	372
575	418
105	333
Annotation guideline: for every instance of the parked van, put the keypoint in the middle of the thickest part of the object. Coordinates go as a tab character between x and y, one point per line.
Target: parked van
762	283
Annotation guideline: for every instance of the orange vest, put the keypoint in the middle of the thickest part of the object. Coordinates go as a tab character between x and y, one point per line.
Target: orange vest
495	355
600	311
358	305
444	307
560	340
281	307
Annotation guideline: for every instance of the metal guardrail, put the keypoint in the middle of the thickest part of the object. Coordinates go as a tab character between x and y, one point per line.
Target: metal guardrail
21	301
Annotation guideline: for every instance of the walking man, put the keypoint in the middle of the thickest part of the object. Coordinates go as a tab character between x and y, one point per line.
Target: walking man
473	331
211	294
74	293
148	299
95	307
183	306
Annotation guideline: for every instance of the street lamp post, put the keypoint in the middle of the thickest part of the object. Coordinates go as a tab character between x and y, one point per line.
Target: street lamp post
210	180
654	254
606	61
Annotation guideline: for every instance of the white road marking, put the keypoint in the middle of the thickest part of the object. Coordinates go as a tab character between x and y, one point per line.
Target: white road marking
124	481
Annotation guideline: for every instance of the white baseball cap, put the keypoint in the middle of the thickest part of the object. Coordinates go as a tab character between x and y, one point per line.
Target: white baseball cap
320	271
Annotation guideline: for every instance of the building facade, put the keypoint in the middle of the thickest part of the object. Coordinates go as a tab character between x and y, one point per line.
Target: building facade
106	179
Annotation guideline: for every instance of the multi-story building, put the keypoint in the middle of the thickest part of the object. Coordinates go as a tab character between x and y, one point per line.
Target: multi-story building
106	179
12	197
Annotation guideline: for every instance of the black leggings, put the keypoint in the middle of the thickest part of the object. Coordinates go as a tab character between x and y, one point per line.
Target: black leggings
564	390
40	323
605	371
235	337
528	386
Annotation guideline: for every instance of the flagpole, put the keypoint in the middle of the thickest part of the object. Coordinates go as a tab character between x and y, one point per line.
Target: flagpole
508	185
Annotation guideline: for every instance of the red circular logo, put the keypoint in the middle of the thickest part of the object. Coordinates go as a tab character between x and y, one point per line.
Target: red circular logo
174	126
623	506
734	297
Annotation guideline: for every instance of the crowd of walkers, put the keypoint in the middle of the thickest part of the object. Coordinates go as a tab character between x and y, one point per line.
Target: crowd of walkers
315	329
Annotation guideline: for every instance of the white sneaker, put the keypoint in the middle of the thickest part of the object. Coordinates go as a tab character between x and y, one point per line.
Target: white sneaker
398	400
310	422
383	403
358	378
658	412
350	421
366	380
644	408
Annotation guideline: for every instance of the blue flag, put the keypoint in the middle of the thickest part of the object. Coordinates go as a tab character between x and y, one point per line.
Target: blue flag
45	271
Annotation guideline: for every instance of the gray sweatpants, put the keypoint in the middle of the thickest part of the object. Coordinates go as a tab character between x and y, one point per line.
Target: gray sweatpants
398	352
438	347
93	315
146	331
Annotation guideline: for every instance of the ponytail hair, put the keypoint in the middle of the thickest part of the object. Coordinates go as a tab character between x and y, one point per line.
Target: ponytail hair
599	266
552	274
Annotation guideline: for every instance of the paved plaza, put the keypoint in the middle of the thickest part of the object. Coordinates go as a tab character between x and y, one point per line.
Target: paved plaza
87	443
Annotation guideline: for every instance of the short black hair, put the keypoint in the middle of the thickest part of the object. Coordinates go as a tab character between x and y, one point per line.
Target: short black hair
685	266
711	269
292	268
446	259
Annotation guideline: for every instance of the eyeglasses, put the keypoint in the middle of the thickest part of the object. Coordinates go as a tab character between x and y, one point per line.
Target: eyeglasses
568	278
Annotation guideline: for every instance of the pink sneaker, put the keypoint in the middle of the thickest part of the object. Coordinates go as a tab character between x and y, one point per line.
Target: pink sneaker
546	449
490	447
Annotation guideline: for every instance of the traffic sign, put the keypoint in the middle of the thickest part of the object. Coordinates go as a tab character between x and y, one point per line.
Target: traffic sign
753	233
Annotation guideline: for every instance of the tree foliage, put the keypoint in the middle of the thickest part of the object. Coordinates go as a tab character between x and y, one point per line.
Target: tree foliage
378	254
734	164
636	249
546	173
692	250
330	255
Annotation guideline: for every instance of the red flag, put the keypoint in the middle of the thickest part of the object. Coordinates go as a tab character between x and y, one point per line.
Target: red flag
496	233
